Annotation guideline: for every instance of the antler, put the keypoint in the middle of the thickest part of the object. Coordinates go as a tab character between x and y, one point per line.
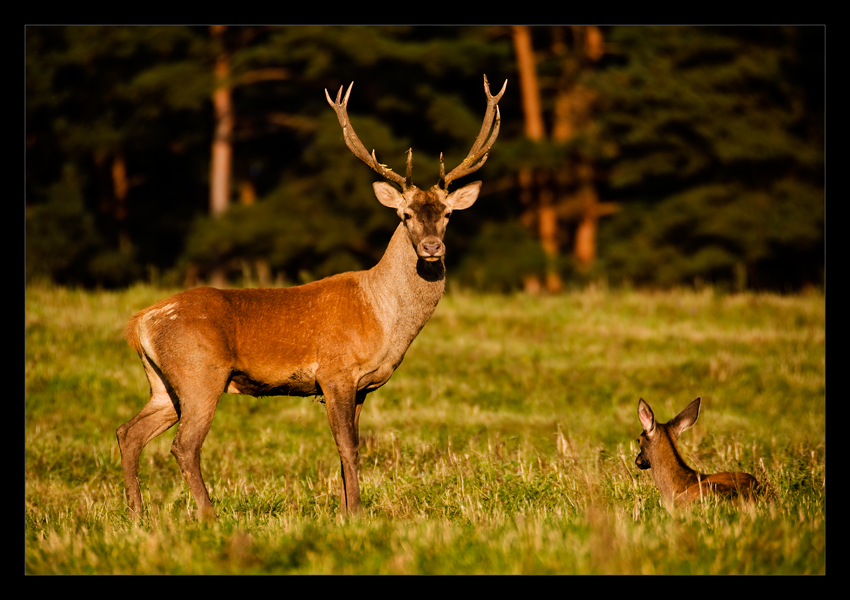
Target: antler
356	146
478	154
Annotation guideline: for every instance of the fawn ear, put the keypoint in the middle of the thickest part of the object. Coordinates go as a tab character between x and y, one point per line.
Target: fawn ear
685	419
647	419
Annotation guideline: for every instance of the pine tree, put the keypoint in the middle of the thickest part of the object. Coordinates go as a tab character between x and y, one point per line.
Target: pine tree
88	111
716	140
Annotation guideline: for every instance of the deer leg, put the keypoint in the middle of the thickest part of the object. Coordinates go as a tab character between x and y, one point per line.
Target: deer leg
158	414
195	420
361	397
343	412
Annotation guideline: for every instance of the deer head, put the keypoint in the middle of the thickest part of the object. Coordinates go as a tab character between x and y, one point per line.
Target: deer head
425	214
658	440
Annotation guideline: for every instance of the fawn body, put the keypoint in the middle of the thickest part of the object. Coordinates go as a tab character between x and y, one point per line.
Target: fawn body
678	483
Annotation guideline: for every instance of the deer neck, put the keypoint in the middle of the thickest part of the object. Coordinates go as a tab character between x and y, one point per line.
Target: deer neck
406	289
669	471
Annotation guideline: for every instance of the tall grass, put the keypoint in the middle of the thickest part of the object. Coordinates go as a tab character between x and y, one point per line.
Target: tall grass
505	443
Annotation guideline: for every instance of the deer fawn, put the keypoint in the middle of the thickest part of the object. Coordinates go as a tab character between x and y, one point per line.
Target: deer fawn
341	337
677	482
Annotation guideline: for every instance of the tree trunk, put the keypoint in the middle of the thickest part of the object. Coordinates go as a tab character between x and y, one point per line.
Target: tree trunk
121	187
541	200
574	113
222	149
528	83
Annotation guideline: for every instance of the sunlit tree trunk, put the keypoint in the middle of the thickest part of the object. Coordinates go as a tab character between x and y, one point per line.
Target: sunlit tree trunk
568	194
221	163
536	190
222	148
528	83
573	112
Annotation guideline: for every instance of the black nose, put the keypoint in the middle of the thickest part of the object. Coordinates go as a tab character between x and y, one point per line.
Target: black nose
641	462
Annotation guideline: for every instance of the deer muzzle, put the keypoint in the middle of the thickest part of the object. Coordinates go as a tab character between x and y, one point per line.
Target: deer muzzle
431	249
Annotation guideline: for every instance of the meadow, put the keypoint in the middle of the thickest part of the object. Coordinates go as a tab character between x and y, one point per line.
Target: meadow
504	444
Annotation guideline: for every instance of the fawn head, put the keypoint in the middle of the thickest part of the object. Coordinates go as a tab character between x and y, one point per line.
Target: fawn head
658	440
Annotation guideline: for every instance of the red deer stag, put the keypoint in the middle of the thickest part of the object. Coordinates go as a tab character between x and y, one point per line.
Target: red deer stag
678	483
340	337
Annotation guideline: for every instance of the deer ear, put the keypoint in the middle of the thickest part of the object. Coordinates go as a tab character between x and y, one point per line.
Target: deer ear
464	197
647	419
685	419
388	195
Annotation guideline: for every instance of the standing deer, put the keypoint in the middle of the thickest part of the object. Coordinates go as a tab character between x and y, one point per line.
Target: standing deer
678	483
340	337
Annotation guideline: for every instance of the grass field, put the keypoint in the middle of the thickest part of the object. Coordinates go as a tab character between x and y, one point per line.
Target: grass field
505	443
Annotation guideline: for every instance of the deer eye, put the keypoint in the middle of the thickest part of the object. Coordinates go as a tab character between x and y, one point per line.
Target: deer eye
448	214
407	216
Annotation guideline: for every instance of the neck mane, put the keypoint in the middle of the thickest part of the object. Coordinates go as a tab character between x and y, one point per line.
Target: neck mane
405	287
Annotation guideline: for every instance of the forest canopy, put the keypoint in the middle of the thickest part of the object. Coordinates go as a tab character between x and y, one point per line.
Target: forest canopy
652	156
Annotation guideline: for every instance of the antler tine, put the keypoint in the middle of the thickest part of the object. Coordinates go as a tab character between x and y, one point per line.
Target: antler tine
478	154
356	146
492	105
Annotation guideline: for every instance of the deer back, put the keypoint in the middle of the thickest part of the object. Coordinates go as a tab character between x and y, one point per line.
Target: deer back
720	484
272	340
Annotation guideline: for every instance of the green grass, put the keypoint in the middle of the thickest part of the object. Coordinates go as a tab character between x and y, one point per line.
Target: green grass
504	443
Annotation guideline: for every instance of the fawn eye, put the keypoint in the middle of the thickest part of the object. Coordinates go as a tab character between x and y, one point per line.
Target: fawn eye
407	216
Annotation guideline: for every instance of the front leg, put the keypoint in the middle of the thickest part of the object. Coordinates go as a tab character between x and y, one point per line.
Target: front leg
343	405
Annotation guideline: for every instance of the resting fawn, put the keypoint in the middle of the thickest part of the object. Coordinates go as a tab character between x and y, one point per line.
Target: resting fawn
678	483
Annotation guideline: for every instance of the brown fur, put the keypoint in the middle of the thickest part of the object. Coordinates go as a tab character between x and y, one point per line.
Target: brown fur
678	483
341	337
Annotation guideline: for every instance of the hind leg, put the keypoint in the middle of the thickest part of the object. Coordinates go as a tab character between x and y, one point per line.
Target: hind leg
158	415
196	418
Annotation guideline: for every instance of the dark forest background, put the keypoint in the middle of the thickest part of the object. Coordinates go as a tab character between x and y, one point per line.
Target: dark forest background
648	156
